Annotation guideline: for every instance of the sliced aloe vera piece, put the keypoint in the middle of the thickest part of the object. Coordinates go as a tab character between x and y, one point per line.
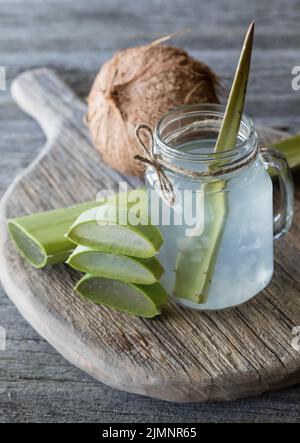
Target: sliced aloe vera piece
144	271
40	238
102	231
141	300
196	265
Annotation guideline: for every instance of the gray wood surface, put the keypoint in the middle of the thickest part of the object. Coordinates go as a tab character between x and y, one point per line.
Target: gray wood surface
75	38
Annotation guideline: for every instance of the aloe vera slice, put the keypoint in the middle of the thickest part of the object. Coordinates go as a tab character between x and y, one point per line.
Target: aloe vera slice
40	238
141	300
196	264
144	271
106	234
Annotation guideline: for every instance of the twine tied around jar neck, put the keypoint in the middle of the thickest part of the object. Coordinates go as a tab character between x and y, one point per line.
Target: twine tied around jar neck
155	161
158	163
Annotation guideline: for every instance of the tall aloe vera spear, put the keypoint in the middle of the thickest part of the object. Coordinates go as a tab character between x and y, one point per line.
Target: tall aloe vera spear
232	117
194	275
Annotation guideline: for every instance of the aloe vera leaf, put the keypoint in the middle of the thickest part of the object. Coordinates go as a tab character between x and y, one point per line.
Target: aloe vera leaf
144	271
142	300
40	238
194	275
235	105
106	234
290	147
195	264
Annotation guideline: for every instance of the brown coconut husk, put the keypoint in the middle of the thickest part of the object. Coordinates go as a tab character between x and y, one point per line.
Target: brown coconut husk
139	85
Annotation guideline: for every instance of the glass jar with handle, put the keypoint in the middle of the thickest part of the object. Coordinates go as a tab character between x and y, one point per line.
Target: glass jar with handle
219	233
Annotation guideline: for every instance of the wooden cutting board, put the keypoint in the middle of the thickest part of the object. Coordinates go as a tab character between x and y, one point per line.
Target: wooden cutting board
181	356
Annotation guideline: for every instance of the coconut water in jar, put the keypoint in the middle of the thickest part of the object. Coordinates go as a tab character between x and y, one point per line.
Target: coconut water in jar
218	236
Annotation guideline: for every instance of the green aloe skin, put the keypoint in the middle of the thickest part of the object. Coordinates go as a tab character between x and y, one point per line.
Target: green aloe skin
108	235
142	300
40	238
144	271
290	147
193	277
227	137
121	270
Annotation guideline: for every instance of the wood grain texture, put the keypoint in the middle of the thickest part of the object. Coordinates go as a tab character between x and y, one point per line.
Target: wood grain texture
182	356
36	384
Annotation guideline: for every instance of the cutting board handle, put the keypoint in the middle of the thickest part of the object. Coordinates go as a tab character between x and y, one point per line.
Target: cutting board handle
43	95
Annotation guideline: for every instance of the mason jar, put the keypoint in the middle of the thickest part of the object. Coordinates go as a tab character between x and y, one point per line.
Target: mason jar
218	227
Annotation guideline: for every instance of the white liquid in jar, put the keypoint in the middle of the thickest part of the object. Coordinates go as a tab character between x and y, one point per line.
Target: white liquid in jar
244	263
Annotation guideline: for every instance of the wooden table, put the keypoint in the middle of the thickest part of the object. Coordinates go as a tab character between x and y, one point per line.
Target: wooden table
36	383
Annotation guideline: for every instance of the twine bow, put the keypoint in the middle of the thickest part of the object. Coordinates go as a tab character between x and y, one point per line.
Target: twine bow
158	163
154	160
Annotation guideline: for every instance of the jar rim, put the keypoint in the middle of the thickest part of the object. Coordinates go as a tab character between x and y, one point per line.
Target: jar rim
242	150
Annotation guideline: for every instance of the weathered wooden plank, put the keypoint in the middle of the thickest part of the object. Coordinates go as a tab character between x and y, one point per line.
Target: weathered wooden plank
117	25
83	401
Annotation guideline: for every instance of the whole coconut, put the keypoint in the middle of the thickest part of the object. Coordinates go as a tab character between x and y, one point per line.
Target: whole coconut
138	85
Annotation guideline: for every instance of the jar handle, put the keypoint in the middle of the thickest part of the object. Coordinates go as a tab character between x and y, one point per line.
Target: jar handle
274	159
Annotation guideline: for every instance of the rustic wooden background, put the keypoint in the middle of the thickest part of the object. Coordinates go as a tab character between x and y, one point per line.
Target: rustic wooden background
37	384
